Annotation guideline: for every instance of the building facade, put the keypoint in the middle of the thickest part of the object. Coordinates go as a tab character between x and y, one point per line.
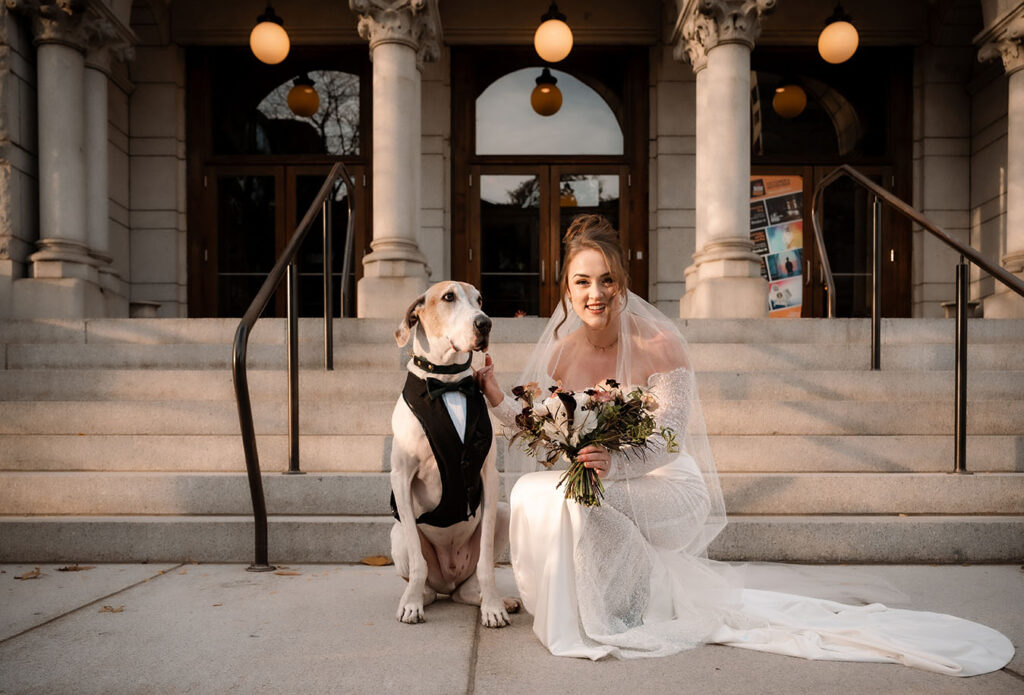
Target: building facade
150	165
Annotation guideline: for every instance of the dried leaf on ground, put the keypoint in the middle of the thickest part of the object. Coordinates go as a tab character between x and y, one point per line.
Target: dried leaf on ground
376	560
288	574
217	604
34	574
76	568
111	609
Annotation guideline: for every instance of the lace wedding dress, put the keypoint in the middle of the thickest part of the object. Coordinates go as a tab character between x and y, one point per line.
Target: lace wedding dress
629	578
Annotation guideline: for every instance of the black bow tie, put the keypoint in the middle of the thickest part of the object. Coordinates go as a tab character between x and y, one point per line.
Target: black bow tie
436	387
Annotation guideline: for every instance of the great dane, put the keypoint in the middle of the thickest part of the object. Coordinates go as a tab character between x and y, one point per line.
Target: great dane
444	480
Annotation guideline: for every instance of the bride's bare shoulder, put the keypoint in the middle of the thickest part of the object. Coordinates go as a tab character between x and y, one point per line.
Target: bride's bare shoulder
558	363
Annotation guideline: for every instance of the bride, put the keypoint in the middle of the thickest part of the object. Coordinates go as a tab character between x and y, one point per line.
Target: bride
631	578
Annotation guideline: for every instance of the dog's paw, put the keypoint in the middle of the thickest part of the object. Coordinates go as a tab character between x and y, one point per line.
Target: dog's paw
410	608
493	613
512	604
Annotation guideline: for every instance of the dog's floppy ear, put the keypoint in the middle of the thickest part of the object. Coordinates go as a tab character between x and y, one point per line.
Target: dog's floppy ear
410	320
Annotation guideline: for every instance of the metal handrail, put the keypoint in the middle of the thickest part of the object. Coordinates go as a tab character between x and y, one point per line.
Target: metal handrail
967	253
287	264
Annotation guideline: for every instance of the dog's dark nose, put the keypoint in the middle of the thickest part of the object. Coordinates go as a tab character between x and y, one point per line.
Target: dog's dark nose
483	325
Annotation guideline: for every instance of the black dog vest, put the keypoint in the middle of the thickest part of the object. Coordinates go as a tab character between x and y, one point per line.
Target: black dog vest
459	462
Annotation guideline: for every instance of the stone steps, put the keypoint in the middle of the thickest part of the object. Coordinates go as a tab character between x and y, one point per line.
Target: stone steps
819	417
371	453
510	357
317	385
205	494
119	439
525	330
329	539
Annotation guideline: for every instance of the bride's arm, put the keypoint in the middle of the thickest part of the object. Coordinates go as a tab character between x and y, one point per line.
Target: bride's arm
506	410
674	392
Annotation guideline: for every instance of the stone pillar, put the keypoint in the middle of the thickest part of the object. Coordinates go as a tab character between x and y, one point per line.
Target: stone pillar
717	37
97	187
1005	40
402	36
64	277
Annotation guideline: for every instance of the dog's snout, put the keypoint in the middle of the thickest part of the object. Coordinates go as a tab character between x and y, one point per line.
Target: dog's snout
482	324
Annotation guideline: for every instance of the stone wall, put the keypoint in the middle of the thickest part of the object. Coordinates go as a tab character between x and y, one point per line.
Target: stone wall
988	171
19	191
435	237
157	191
942	132
673	99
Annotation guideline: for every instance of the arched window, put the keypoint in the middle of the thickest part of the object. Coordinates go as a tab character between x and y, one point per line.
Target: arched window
507	124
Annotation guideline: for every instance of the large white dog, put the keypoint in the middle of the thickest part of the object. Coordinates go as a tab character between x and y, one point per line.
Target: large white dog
444	480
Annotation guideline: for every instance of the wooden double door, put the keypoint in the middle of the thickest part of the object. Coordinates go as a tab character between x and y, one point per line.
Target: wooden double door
248	214
517	217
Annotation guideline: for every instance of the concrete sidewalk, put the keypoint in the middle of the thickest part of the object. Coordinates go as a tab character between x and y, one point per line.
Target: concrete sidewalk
163	628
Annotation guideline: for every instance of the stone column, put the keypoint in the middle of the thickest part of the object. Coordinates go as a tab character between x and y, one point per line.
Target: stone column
1005	40
717	37
64	281
402	35
105	41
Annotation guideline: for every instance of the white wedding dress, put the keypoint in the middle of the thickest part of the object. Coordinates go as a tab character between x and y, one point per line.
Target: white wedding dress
621	579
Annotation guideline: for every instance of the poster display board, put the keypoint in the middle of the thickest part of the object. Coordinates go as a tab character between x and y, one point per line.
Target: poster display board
776	228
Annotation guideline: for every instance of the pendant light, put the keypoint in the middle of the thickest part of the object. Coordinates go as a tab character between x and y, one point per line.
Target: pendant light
303	99
268	40
839	39
546	98
790	99
553	38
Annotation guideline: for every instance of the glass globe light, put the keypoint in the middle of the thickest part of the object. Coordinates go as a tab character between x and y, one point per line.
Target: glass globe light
302	98
839	39
553	38
546	97
268	40
789	101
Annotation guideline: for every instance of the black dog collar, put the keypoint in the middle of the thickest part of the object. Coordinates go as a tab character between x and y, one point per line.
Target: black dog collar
441	368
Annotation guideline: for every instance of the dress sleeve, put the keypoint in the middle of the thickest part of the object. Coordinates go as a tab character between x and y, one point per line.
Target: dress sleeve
674	393
506	411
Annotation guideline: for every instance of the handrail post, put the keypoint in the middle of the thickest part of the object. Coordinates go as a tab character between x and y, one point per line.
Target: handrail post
328	286
876	285
346	262
293	367
960	397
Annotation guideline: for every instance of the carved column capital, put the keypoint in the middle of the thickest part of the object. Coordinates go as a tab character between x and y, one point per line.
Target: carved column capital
1004	40
704	24
85	26
413	23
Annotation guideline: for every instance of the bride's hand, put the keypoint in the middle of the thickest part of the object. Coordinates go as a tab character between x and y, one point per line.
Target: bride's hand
596	457
487	382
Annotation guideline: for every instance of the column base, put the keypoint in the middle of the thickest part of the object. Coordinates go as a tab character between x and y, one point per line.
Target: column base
57	298
728	298
1004	305
115	294
387	297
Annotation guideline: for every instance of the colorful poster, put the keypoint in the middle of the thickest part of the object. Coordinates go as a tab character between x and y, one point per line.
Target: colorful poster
776	229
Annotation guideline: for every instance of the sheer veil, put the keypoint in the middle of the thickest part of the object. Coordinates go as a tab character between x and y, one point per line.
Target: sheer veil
649	346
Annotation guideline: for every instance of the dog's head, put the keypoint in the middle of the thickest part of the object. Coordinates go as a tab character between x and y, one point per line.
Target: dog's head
450	317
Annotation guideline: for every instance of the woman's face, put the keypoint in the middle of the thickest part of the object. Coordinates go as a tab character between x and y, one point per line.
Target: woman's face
591	288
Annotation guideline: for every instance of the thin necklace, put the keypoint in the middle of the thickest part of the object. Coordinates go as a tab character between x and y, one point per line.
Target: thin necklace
601	347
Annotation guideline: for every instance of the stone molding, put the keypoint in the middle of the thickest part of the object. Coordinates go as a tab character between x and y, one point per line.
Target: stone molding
1004	40
704	24
86	26
412	23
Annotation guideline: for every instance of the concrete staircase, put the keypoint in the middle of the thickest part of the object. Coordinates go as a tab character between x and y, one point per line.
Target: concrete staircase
119	439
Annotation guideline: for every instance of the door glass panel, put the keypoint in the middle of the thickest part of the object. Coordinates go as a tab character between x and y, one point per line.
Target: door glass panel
507	124
846	230
580	194
311	288
246	211
510	243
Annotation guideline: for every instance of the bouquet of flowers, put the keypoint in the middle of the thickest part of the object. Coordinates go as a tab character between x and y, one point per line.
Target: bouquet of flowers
565	422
